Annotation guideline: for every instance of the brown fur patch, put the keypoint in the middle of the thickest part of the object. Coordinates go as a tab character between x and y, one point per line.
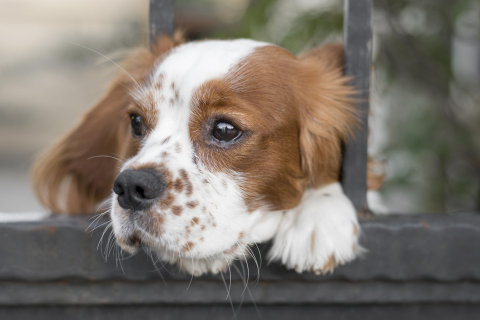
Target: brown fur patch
188	246
192	204
167	201
152	222
164	154
166	139
165	43
178	148
158	85
177	210
375	174
329	265
294	114
178	186
312	242
186	180
195	220
355	230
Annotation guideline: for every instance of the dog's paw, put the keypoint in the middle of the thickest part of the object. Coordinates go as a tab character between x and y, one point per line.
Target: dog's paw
319	234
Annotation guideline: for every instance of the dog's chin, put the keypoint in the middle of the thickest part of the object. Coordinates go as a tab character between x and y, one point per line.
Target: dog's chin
192	263
214	264
131	243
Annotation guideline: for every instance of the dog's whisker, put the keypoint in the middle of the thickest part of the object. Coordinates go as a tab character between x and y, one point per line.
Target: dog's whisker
104	156
101	54
248	273
103	233
230	275
251	297
255	260
228	296
242	297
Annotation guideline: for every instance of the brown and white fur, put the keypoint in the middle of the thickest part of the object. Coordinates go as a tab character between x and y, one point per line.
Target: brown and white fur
278	181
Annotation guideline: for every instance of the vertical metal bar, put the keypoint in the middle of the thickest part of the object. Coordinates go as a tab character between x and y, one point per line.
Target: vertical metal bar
161	19
357	29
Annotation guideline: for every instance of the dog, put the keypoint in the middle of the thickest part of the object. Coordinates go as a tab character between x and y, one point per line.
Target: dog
223	144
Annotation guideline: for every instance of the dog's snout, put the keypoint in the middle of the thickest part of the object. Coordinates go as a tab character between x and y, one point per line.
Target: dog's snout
138	189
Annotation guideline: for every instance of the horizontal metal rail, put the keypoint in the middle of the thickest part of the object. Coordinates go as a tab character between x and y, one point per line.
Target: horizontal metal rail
399	248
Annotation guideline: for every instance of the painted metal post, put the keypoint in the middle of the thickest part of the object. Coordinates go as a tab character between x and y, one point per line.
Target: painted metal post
161	19
358	40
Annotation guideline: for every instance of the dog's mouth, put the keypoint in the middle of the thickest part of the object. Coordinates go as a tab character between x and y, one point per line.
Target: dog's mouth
134	241
231	250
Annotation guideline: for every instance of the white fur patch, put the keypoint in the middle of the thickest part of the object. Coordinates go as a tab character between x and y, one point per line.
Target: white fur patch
192	64
324	225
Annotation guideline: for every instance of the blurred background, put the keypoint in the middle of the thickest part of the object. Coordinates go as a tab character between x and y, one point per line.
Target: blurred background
426	82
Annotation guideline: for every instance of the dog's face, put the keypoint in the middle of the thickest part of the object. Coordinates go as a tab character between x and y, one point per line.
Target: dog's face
219	149
224	135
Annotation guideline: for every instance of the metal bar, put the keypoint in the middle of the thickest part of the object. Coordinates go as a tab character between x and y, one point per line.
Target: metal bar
213	292
357	28
161	19
444	248
439	311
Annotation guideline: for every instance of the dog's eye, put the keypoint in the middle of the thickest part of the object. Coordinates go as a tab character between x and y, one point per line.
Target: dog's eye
136	125
225	131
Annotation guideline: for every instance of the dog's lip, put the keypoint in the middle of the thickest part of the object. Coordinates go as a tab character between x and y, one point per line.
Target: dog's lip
231	250
134	240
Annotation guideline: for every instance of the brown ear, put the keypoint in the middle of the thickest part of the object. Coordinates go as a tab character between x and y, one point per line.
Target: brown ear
327	113
78	171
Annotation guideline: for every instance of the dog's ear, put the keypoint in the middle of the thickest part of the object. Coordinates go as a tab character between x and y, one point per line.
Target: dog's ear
78	171
327	113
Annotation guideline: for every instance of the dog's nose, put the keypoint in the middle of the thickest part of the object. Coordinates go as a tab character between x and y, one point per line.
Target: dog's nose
138	189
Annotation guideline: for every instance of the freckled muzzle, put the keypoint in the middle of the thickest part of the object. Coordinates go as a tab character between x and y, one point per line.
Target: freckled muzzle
138	189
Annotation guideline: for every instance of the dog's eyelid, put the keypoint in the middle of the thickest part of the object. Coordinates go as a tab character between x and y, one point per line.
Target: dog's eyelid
235	120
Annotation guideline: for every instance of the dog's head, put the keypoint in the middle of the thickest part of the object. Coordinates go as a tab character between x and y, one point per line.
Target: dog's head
217	137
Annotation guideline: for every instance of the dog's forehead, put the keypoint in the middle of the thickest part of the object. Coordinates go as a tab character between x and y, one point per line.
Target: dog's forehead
194	63
175	78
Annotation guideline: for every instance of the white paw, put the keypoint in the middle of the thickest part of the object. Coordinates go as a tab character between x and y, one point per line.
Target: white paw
319	234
